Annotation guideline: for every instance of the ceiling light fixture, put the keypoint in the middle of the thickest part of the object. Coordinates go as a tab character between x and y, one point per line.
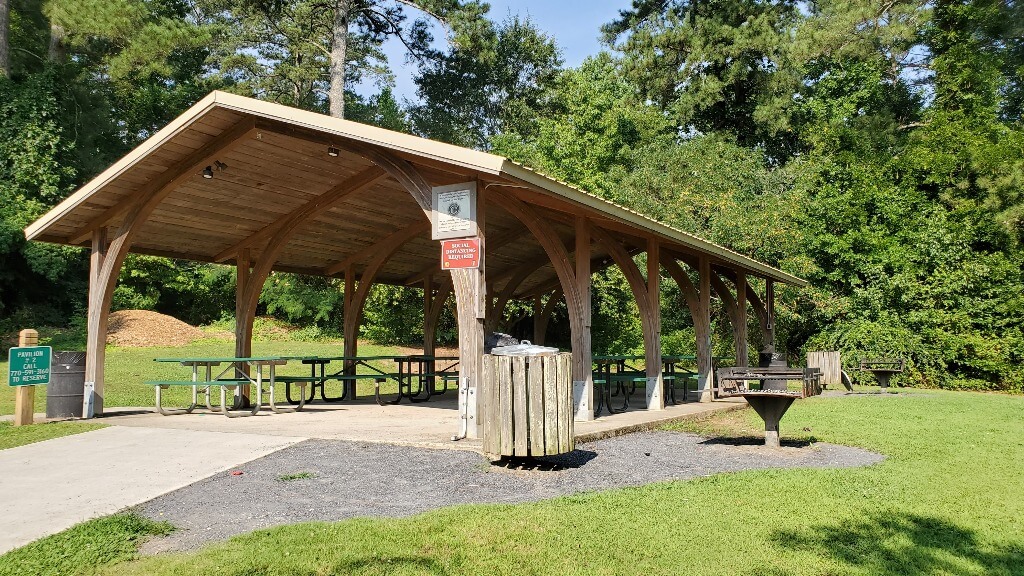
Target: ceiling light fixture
333	152
220	165
208	172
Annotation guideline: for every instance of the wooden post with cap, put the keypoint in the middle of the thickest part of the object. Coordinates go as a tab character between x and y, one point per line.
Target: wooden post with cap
25	396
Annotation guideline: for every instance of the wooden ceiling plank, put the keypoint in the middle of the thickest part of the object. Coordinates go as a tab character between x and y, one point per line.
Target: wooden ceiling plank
227	140
404	235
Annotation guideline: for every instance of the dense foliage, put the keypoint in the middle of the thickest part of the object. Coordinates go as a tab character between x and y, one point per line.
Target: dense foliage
874	148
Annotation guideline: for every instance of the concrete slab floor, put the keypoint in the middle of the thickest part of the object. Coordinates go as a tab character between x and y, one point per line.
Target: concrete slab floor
425	425
50	486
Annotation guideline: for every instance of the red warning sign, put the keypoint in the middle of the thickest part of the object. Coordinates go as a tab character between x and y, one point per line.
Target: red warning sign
461	253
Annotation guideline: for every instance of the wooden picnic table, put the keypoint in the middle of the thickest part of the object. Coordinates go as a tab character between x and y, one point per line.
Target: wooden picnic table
232	377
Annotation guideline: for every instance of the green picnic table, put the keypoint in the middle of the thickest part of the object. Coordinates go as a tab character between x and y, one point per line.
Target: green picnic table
232	377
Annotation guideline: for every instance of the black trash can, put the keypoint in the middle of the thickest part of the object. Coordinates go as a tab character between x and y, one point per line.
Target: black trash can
66	390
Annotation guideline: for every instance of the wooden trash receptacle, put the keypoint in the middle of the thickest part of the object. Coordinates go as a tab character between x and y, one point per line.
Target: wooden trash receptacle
527	405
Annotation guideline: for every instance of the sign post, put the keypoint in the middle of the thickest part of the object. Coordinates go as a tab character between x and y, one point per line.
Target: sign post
28	366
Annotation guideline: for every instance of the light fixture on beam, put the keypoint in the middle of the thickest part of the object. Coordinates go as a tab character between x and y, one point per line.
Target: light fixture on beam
333	152
217	165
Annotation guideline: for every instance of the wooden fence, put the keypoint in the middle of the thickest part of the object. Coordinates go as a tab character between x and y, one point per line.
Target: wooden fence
830	365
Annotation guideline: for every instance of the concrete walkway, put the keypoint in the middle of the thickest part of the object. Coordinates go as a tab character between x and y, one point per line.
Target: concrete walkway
50	486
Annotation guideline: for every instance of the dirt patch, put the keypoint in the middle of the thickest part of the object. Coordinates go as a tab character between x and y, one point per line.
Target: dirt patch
143	328
407	351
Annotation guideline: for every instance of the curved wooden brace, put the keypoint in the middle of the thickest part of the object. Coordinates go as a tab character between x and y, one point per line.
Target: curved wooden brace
646	294
762	316
682	279
433	316
636	281
737	314
699	306
109	257
728	301
559	257
402	171
540	321
501	300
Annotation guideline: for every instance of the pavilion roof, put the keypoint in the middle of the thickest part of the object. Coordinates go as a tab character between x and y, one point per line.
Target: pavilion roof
276	166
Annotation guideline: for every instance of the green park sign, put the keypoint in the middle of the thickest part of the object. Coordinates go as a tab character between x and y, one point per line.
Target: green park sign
29	366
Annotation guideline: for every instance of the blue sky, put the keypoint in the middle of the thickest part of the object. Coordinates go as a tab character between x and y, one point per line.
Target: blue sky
575	25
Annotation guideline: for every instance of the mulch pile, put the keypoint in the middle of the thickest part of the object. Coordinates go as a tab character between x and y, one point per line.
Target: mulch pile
142	328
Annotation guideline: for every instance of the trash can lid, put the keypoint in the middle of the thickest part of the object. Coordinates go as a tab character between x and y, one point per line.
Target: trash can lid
524	348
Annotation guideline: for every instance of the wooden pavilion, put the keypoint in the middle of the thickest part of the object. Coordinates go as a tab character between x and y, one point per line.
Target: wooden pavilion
268	187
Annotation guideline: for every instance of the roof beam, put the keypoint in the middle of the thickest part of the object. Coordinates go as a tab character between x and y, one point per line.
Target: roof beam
357	183
389	244
174	175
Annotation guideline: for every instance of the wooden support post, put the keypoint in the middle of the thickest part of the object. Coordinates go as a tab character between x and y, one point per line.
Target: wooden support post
472	391
702	328
245	315
739	328
652	336
471	300
96	338
428	303
770	311
25	396
582	355
350	321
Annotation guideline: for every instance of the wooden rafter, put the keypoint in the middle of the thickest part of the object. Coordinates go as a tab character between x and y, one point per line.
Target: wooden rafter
354	185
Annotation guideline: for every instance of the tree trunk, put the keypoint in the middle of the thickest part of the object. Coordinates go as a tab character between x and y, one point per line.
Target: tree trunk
5	51
339	47
56	51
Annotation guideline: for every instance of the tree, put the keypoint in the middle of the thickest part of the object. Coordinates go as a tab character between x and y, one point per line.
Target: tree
590	124
719	66
496	85
5	48
315	48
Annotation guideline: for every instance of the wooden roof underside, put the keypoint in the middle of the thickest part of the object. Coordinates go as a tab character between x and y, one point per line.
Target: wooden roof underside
276	168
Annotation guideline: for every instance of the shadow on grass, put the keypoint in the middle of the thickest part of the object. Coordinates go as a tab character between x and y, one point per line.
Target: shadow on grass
901	543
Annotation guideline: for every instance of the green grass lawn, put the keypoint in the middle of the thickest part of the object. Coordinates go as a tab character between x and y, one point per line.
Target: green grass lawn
948	499
11	435
82	549
128	368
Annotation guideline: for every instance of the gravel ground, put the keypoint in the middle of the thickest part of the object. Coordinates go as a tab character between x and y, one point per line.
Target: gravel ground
349	479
